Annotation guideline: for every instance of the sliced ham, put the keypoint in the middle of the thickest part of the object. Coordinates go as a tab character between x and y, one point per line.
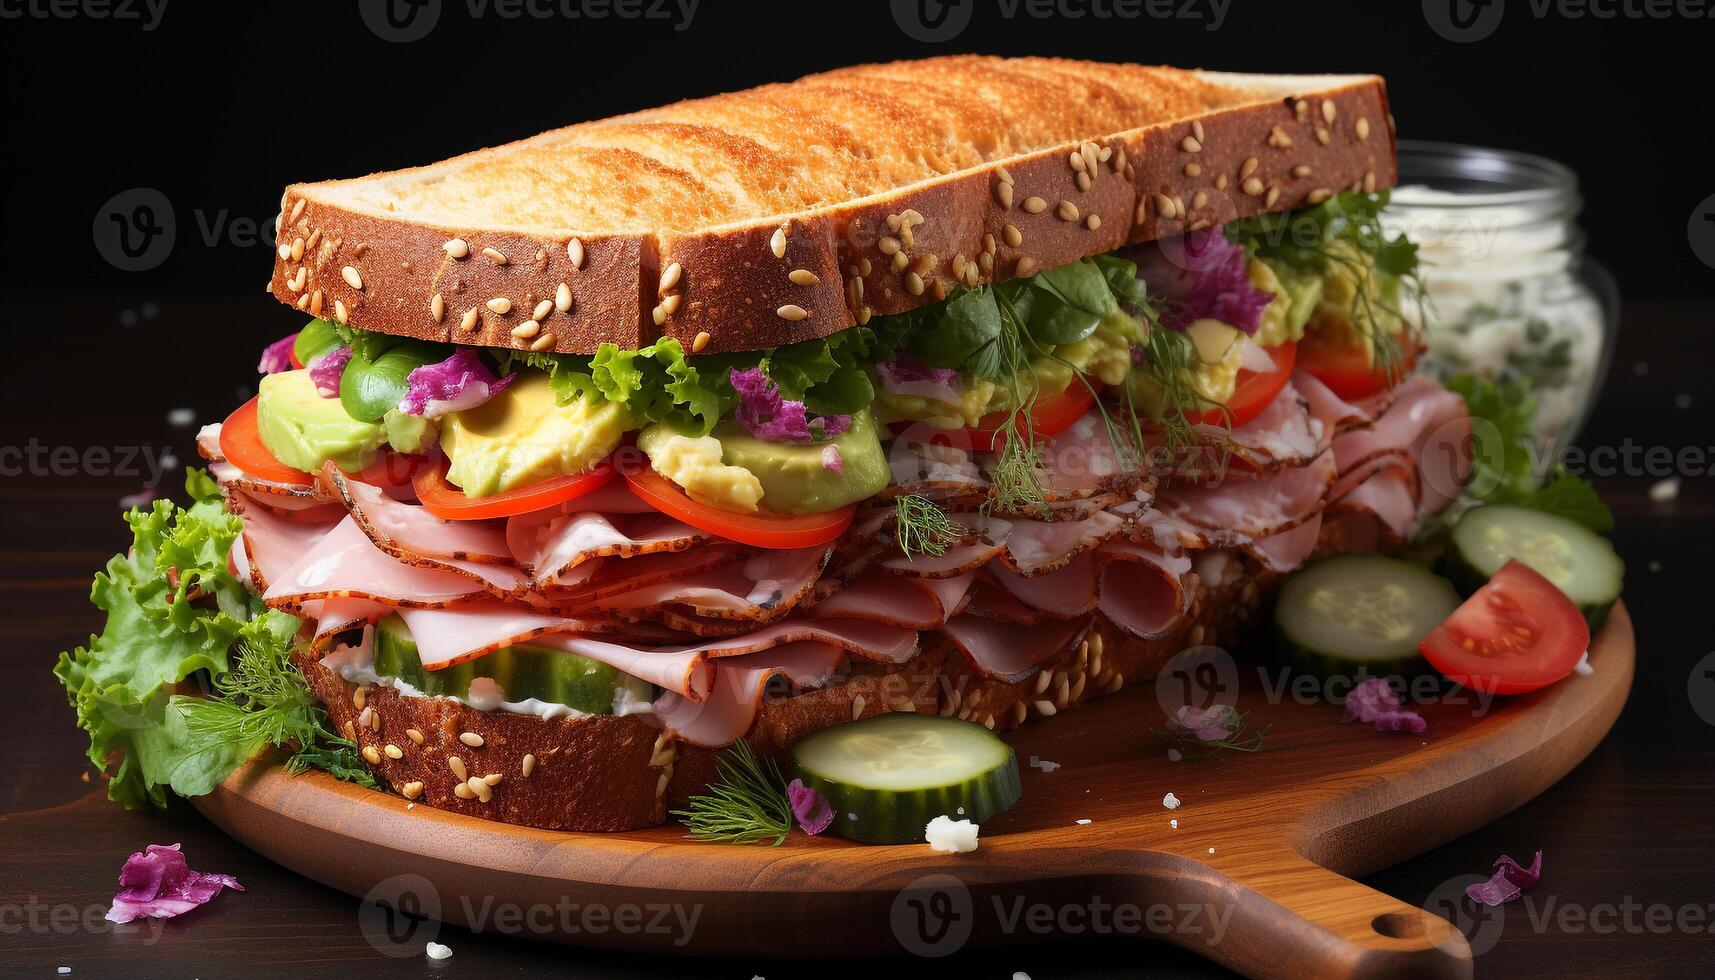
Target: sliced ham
1035	547
1255	508
556	542
603	577
1387	497
1428	422
403	529
285	497
763	587
1285	434
884	598
986	537
344	562
1010	652
1084	460
731	706
272	542
1332	412
336	615
1289	549
1142	589
1064	593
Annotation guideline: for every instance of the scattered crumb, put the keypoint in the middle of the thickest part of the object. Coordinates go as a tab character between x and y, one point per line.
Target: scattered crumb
1020	975
169	461
1174	823
1655	566
961	812
951	836
1174	755
1583	668
1043	764
181	416
1665	490
64	970
1211	850
1081	822
438	952
1170	801
410	806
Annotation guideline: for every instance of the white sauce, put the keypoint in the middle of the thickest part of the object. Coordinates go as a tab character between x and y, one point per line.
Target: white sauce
354	667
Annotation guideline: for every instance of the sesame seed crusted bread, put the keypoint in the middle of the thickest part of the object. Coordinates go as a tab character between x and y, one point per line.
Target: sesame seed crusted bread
792	211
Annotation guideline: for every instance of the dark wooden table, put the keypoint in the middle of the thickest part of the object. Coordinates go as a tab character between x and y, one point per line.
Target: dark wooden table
1628	837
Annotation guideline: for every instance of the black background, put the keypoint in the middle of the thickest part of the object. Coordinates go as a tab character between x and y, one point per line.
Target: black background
223	104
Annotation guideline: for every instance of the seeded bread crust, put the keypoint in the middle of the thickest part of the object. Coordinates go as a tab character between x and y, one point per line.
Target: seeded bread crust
1021	164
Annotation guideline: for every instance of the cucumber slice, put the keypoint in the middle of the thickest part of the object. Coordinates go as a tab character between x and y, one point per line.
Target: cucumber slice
889	775
523	672
1355	614
1577	560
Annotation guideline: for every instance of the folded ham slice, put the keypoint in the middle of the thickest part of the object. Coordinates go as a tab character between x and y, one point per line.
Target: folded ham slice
271	543
730	707
1141	588
985	538
1254	508
761	588
1288	549
1429	423
1010	652
407	530
1036	547
894	599
344	562
556	543
337	614
1064	593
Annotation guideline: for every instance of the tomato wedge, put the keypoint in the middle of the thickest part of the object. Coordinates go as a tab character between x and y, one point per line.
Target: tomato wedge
448	502
1347	370
1254	391
1048	416
761	530
241	444
1515	634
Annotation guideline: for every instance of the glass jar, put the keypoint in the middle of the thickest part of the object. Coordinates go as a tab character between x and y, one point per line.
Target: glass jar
1512	295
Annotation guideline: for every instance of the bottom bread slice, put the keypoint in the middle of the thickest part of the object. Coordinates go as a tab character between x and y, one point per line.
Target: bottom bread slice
610	773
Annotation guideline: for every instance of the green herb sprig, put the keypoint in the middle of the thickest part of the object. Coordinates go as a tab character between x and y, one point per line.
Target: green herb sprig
747	804
921	527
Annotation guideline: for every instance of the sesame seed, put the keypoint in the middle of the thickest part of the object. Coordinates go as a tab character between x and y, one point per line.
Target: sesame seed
1319	195
543	342
1329	111
575	252
339	310
1045	708
471	739
1221	182
1193	170
352	277
777	243
1067	211
1093	222
1083	181
481	789
492	779
1165	207
463	792
803	277
900	261
1278	139
1043	680
792	312
1248	167
1190	145
985	263
394	751
411	790
1197	201
359	697
1035	205
1370	182
437	307
316	303
959	262
298	278
527	329
924	263
1322	136
467	323
1253	186
495	255
670	277
1302	170
298	243
911	216
456	766
1197	129
1003	194
1024	266
371	756
499	304
864	267
888	245
1273	196
1076	159
914	284
1013	236
857	707
414	735
304	302
562	298
528	766
700	341
297	208
315	236
1004	174
542	310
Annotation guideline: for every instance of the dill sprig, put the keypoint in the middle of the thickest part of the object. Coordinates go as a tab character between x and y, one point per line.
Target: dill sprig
922	528
746	805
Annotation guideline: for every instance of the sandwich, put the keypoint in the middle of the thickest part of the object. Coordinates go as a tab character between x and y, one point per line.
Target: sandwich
966	388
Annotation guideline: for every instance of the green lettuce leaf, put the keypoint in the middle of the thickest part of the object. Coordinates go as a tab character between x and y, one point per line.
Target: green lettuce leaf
1502	454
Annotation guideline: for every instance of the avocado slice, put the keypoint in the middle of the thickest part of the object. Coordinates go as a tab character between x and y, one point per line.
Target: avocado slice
302	429
522	672
795	477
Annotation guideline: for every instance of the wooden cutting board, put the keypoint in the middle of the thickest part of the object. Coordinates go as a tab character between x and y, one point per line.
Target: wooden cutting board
1255	876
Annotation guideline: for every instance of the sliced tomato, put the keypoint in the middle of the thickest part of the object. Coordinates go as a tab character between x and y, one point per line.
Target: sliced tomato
1346	369
297	365
393	470
762	530
1254	391
1515	634
241	444
448	502
1048	416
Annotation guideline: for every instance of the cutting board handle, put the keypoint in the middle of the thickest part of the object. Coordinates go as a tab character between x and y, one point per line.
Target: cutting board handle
1289	917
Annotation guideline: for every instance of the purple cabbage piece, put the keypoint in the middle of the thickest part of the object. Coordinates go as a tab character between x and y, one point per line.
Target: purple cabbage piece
1203	277
767	416
832	460
907	377
1508	882
1216	723
326	369
811	809
1375	701
277	357
457	384
156	883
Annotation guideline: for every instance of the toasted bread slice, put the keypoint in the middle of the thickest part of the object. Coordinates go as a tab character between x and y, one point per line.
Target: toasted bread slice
789	212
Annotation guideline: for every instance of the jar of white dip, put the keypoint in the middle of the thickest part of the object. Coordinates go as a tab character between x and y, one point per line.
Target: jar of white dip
1512	296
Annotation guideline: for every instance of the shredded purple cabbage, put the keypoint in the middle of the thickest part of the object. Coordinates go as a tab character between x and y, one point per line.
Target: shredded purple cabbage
832	460
907	377
326	369
767	416
156	883
1375	701
811	809
1216	723
277	357
1203	277
1508	882
457	384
